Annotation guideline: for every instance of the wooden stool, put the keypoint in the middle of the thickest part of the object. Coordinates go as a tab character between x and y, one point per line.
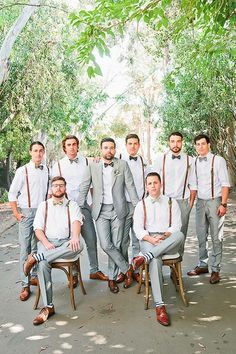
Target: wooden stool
66	265
172	261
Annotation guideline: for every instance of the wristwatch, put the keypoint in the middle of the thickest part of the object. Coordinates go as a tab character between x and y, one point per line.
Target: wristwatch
224	205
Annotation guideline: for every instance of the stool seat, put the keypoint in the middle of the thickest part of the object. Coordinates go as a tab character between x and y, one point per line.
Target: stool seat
170	256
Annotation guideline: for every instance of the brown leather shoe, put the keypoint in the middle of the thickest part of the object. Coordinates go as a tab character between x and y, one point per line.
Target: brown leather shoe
198	270
114	288
43	315
215	277
75	281
34	281
120	278
98	276
29	263
128	277
138	261
162	316
136	277
25	293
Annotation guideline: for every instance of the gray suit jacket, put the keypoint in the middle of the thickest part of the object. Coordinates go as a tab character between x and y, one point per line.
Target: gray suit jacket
122	178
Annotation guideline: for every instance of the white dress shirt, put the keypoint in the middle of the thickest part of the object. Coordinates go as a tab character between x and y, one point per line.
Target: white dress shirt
38	184
175	174
157	217
203	173
57	225
73	174
137	170
107	184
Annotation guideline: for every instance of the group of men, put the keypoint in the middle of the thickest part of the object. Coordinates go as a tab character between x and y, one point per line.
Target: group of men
106	197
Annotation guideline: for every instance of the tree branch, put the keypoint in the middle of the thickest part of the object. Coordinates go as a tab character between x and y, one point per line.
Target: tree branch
36	5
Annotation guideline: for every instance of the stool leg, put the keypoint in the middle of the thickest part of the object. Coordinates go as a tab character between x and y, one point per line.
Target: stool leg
70	278
80	278
181	288
174	275
146	268
140	279
38	292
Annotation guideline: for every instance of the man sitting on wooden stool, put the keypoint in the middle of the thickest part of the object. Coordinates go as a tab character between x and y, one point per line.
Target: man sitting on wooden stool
57	226
157	224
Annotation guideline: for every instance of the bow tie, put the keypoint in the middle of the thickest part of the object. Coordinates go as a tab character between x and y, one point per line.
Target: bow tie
176	157
108	164
76	160
40	167
154	200
133	158
202	158
60	202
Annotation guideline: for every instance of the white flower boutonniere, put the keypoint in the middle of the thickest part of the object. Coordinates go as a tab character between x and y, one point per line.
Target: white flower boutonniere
116	173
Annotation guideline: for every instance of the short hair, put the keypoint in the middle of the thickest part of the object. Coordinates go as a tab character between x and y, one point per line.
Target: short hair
177	134
132	136
36	143
58	178
153	174
68	137
107	140
202	136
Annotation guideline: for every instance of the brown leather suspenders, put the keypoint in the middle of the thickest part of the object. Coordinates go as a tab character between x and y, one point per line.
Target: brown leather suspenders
46	216
163	175
145	213
27	186
212	175
59	169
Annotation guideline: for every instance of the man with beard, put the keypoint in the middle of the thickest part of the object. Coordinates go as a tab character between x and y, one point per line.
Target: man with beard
57	226
29	188
110	177
72	167
178	179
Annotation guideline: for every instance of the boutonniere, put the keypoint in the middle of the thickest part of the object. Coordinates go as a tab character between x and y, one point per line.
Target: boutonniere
116	172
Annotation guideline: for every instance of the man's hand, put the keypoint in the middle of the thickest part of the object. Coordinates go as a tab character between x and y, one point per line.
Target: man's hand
221	211
19	216
74	244
48	245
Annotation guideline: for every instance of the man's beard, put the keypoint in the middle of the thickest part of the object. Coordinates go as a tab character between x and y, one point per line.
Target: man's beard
176	149
58	195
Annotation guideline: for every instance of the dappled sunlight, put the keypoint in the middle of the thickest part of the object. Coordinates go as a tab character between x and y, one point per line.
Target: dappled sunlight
61	323
7	325
117	346
65	335
10	262
74	317
209	319
66	346
17	328
38	337
193	302
10	245
199	283
96	338
57	352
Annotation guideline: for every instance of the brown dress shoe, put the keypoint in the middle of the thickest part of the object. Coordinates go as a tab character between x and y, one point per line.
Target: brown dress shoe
34	281
75	281
98	276
215	277
162	316
114	288
138	261
29	263
25	293
198	270
136	277
43	315
120	278
128	277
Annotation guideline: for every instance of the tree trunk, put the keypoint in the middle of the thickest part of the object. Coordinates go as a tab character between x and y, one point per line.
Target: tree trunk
12	36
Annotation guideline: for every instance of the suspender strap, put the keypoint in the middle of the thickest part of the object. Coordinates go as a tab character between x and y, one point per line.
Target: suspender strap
45	216
86	161
143	176
186	177
144	214
27	186
59	169
47	185
120	157
212	177
170	211
163	173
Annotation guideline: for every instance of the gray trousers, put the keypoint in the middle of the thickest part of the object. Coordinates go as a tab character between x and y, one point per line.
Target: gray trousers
44	269
168	246
27	240
110	231
185	213
206	217
129	234
89	235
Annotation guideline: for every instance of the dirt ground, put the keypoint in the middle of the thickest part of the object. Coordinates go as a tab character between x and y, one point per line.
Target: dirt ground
108	323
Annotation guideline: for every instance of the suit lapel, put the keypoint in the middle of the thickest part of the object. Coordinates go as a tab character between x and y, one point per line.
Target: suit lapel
115	169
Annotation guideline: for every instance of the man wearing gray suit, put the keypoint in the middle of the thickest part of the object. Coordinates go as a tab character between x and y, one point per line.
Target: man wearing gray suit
109	178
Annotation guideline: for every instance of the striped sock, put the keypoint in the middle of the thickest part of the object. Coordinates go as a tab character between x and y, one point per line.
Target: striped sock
158	304
148	256
38	256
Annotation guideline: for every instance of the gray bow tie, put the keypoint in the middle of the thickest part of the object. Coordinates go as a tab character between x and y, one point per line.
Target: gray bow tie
76	160
176	157
202	158
154	200
40	167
